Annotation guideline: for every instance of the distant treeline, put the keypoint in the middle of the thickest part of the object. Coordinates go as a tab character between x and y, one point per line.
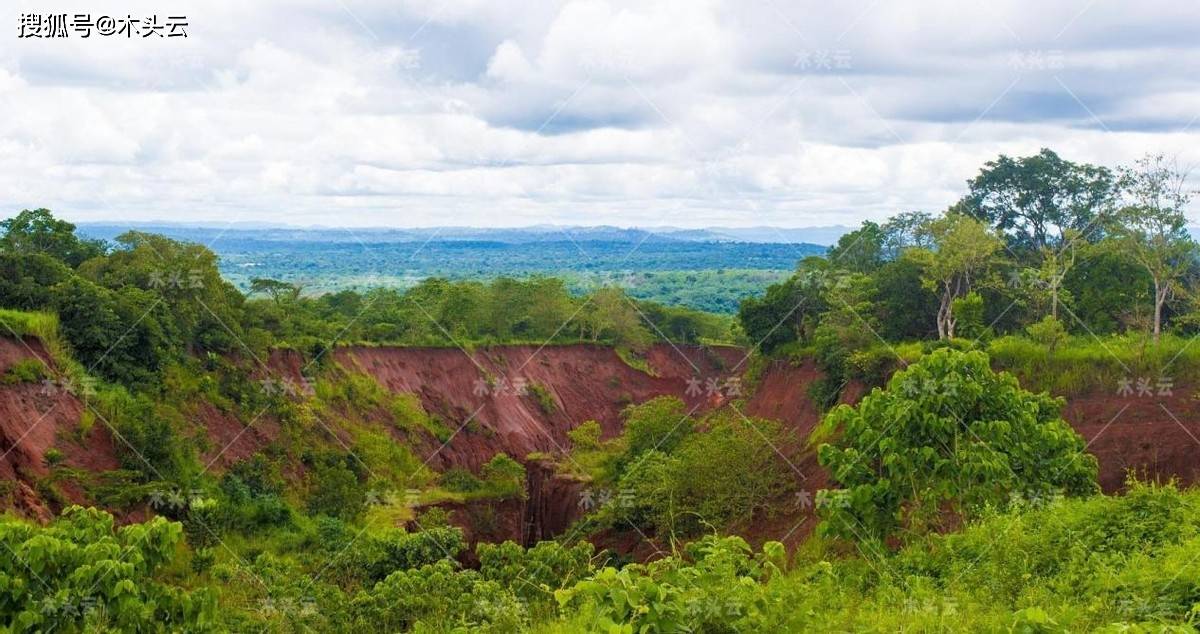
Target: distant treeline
131	307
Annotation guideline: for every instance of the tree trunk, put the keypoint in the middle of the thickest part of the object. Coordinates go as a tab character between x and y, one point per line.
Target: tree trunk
1054	300
1160	296
943	315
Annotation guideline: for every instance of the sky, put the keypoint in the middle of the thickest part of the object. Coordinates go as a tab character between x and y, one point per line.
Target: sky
695	113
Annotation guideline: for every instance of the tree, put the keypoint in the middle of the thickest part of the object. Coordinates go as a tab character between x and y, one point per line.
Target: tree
964	247
946	438
1032	200
861	250
788	311
203	308
905	230
279	292
38	231
613	316
82	574
26	279
1151	228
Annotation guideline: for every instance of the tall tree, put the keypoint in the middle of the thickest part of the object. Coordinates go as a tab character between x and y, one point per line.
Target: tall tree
38	231
963	247
1151	227
904	230
1033	200
861	250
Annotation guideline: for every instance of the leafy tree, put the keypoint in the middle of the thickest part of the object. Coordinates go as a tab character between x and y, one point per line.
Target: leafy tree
118	335
205	310
1033	200
80	573
905	230
26	279
734	469
861	250
1152	230
902	304
946	438
279	292
968	316
788	311
1105	286
38	231
336	487
658	424
437	597
611	315
534	574
964	248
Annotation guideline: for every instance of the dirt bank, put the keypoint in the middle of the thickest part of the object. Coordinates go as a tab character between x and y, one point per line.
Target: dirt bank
523	400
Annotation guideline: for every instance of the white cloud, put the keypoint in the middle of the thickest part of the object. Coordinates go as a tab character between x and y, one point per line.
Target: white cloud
592	111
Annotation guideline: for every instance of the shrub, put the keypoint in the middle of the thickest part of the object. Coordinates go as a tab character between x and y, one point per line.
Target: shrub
460	481
544	398
585	436
80	573
24	371
947	437
336	489
504	476
437	597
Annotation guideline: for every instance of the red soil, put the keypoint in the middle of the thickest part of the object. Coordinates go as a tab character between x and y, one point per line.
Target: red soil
34	417
477	396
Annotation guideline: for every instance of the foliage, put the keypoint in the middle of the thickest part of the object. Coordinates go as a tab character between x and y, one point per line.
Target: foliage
504	476
585	436
80	573
1034	200
535	574
1152	229
24	371
545	400
439	598
337	486
37	231
946	439
714	587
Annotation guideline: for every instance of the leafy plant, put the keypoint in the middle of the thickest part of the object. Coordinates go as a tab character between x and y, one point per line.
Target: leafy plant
947	438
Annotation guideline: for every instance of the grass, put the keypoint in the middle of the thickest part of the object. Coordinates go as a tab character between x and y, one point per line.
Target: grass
1104	364
44	327
545	399
635	361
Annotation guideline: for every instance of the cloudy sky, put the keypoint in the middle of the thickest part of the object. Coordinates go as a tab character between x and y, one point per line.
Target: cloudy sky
485	113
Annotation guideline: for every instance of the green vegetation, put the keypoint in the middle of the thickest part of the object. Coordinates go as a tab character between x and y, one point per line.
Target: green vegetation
80	573
947	438
956	500
1043	263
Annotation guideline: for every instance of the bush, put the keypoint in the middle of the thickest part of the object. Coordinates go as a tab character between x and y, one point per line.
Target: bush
460	481
947	438
80	573
504	476
586	436
544	398
437	597
24	371
336	488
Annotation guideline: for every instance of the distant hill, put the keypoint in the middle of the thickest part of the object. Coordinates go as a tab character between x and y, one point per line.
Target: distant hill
205	232
709	269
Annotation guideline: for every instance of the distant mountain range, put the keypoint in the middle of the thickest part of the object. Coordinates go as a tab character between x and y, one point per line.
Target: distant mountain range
206	232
